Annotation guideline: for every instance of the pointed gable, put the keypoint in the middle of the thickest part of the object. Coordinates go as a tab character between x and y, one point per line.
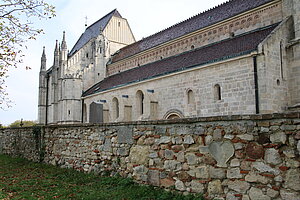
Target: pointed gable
93	31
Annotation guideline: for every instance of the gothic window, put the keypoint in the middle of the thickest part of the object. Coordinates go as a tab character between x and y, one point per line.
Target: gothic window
115	106
140	102
217	92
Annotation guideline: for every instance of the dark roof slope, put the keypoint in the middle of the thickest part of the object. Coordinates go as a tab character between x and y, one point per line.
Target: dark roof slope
207	18
222	50
93	30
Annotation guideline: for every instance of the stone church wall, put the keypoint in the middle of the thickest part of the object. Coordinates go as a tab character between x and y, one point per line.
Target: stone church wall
228	157
235	78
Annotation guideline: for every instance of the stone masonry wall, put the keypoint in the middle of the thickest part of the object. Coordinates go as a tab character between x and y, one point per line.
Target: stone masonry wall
229	157
22	142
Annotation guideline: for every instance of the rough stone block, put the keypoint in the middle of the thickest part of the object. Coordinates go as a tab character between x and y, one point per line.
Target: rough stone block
292	179
234	173
239	186
197	187
218	173
272	156
179	185
290	195
139	154
214	187
278	137
153	177
257	194
167	182
124	134
221	152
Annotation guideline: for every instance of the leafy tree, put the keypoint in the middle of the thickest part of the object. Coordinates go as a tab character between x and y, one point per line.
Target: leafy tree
16	28
22	123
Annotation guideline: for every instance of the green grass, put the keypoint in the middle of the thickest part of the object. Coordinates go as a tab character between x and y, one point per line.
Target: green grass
22	179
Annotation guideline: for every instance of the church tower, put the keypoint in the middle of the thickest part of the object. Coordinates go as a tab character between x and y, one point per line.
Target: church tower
42	90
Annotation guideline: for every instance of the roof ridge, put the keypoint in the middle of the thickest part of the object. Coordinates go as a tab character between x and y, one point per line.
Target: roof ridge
198	21
110	13
185	20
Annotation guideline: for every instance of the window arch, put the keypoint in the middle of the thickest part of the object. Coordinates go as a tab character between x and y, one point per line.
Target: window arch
217	92
190	97
140	102
173	114
115	108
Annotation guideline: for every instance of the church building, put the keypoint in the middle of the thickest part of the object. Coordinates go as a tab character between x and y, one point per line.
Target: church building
240	57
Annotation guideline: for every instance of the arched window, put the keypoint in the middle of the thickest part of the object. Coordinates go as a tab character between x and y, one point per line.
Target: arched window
115	106
190	97
217	92
140	102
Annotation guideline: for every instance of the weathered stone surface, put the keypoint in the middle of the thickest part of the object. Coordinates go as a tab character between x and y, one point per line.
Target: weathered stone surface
172	165
214	187
234	173
217	134
123	151
287	127
218	173
164	140
153	177
292	179
139	171
272	193
167	182
169	154
191	158
139	155
221	152
298	147
262	167
202	172
125	135
180	156
247	137
272	156
235	163
199	130
183	176
239	186
231	196
179	185
289	153
208	139
188	140
278	137
254	151
254	177
289	195
197	187
257	194
107	145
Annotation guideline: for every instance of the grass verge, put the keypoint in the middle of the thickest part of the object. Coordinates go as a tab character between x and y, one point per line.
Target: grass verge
22	179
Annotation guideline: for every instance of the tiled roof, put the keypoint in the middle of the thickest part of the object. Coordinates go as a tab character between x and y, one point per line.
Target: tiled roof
222	50
207	18
93	31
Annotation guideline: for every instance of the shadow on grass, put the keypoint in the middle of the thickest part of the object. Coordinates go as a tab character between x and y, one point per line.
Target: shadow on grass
22	179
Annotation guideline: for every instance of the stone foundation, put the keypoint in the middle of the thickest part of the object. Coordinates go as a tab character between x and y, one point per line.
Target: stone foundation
234	157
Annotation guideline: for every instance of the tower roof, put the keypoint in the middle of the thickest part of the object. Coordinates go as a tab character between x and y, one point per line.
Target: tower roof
93	30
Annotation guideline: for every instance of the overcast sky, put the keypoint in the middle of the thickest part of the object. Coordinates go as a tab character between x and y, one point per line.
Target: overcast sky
144	17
